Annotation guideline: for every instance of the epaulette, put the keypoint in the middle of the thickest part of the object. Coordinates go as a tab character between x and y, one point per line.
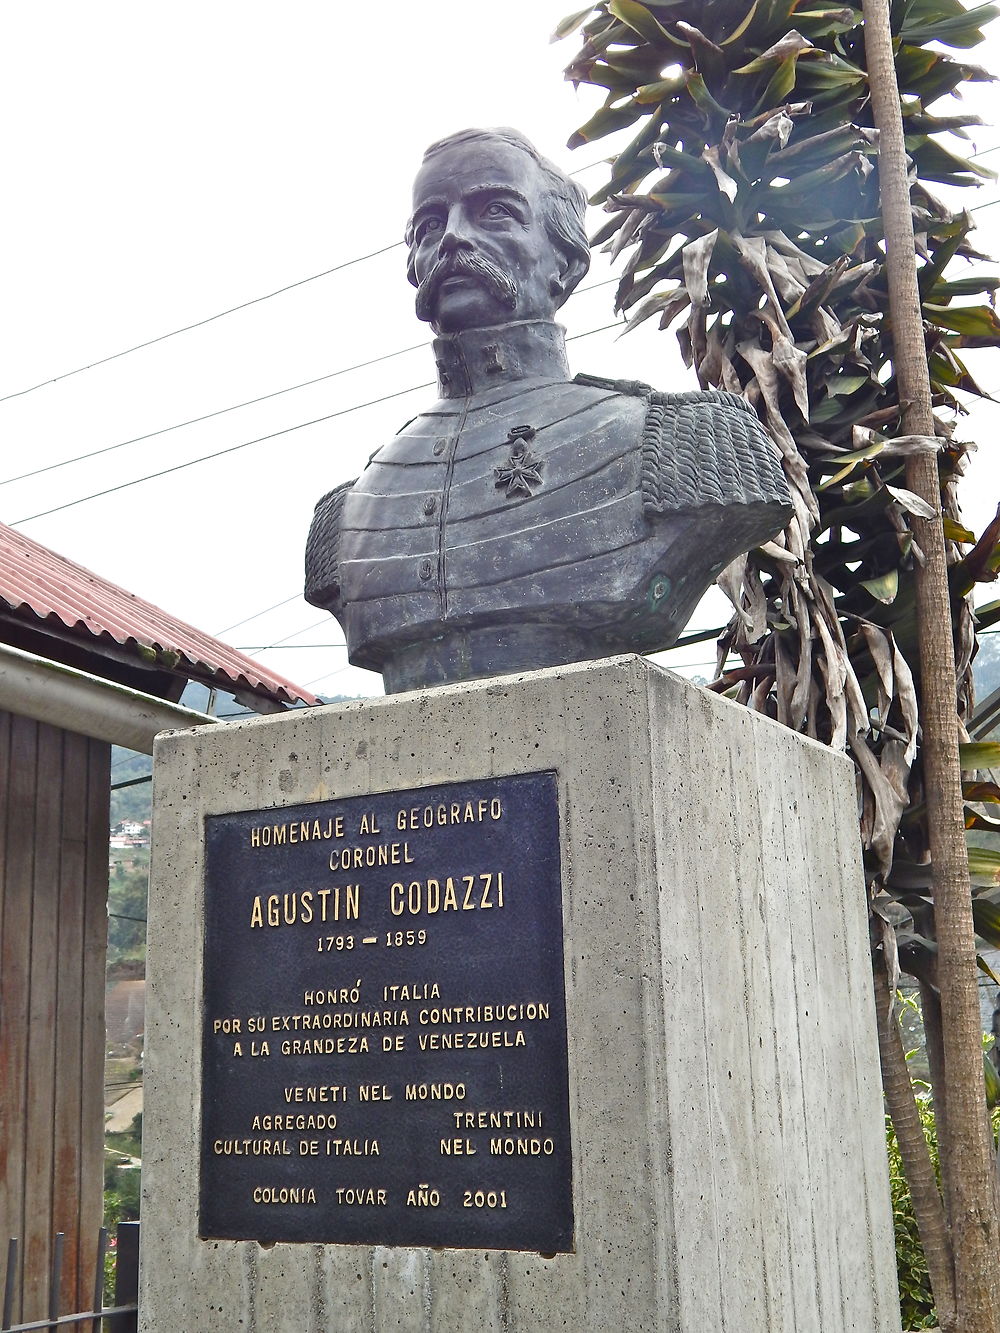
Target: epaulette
323	550
705	448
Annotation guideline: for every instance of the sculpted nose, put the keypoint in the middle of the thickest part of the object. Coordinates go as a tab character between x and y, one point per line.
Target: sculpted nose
455	236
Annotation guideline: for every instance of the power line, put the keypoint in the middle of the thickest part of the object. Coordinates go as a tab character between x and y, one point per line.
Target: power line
129	782
179	467
601	162
327	674
232	310
193	421
249	402
294	598
260	439
128	759
199	323
278	643
283	646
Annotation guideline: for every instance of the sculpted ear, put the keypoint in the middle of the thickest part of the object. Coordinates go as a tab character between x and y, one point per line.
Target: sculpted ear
408	238
572	269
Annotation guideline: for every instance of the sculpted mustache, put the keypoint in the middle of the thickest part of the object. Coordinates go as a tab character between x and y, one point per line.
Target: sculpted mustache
497	283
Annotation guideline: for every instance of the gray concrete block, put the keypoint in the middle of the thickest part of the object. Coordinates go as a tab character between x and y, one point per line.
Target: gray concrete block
728	1153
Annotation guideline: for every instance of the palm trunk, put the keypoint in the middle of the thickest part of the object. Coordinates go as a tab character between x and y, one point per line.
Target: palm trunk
966	1148
930	1008
917	1165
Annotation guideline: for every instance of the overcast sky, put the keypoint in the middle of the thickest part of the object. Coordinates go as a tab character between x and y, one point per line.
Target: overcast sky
164	163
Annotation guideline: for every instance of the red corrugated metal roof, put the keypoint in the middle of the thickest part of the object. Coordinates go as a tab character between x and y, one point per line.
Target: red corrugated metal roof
36	581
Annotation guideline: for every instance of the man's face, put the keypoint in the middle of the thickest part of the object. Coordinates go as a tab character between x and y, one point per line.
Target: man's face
480	253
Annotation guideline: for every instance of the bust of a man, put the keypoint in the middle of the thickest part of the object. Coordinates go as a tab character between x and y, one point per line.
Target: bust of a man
528	519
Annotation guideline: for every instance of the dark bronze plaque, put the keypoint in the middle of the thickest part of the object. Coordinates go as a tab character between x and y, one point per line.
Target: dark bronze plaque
384	1028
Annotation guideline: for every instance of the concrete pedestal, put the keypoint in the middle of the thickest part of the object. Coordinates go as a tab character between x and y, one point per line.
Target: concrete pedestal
727	1145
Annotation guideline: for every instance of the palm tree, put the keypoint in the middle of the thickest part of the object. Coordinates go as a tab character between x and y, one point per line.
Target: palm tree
748	205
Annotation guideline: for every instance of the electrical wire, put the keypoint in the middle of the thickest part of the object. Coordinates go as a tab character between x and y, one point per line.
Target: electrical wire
282	645
199	323
326	675
193	421
219	453
279	643
601	162
249	402
260	439
294	598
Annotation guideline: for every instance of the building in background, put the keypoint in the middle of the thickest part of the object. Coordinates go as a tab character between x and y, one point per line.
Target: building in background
84	664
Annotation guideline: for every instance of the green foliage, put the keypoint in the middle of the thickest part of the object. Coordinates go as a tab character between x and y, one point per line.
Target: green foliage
128	888
915	1296
916	1301
747	202
130	802
122	1175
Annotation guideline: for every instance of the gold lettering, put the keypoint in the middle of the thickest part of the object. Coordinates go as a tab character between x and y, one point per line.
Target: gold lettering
373	1092
342	902
305	830
457	1148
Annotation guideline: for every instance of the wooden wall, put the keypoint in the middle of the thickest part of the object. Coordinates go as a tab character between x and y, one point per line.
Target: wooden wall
54	811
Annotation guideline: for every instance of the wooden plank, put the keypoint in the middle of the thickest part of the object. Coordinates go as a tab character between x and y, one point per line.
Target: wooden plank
6	1109
4	793
4	788
40	1099
77	1280
19	782
54	806
95	949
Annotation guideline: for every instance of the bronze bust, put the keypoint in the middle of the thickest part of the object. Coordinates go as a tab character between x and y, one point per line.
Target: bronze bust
528	519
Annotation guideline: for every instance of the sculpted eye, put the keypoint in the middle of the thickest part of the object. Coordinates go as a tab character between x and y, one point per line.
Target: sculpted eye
428	227
497	210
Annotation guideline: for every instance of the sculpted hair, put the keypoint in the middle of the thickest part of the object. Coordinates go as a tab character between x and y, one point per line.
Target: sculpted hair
564	201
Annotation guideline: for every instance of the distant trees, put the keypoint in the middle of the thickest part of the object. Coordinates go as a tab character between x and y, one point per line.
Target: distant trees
127	892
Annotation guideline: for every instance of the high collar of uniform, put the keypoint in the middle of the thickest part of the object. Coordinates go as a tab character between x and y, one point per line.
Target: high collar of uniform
480	359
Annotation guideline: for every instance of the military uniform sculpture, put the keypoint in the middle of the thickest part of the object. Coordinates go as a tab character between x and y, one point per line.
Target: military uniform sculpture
528	519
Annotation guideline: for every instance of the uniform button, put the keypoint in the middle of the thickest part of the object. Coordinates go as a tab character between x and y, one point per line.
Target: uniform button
425	569
438	449
430	504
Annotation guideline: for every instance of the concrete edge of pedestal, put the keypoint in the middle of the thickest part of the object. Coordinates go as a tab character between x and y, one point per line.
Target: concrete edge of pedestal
617	704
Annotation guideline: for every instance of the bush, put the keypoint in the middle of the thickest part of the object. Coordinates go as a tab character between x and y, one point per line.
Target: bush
916	1301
